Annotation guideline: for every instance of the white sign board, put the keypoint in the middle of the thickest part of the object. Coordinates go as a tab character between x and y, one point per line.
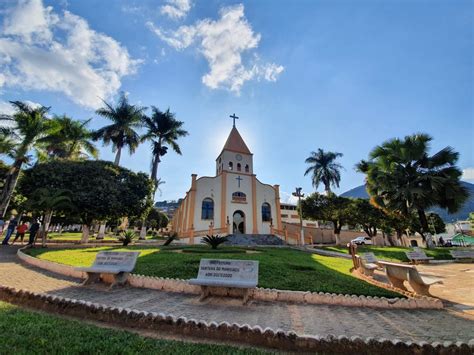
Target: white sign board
239	273
123	261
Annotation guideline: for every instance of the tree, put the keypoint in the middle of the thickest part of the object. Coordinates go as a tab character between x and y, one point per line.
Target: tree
366	216
27	128
324	169
435	224
401	176
70	139
126	119
99	190
163	130
46	201
331	208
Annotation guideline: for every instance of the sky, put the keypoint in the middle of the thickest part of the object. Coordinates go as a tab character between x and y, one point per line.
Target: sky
340	75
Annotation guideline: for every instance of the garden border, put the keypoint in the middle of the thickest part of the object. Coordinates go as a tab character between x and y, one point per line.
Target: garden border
259	294
224	331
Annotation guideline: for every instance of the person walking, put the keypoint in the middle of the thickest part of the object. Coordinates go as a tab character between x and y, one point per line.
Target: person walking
35	226
2	225
20	232
10	229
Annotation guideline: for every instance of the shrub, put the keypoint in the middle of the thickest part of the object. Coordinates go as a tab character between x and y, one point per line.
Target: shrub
214	240
170	238
127	237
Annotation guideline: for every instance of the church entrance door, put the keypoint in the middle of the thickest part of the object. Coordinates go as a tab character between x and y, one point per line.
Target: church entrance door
238	225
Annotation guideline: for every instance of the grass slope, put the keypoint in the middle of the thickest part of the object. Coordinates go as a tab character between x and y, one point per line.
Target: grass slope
395	253
27	332
280	268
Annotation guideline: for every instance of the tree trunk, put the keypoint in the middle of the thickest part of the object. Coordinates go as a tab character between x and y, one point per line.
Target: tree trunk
85	234
154	173
101	233
46	222
426	235
9	187
143	232
117	156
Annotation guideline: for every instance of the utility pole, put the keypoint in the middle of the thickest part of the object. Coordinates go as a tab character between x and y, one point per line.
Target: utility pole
298	194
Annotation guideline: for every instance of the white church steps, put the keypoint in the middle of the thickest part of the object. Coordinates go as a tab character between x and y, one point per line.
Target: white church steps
259	294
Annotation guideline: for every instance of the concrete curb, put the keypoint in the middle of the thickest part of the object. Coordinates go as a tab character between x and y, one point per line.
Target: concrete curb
259	294
256	335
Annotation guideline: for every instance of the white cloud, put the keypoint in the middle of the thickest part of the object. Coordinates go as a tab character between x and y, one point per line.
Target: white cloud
6	108
223	42
468	174
286	197
42	50
176	9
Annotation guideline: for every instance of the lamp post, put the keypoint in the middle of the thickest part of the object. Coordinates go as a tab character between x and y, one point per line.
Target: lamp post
298	194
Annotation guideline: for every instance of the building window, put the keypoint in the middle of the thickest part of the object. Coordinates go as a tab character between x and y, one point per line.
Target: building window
246	168
207	209
231	166
239	197
284	216
266	212
239	167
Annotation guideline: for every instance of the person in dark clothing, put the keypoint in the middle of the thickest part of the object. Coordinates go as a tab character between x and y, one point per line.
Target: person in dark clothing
11	228
35	226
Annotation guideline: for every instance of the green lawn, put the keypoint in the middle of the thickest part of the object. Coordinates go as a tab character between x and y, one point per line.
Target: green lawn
395	253
27	332
280	268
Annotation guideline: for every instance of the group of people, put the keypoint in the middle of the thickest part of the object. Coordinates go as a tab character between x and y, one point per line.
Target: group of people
21	228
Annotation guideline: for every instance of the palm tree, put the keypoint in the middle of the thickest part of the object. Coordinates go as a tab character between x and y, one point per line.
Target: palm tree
403	177
163	130
324	169
27	128
70	139
121	133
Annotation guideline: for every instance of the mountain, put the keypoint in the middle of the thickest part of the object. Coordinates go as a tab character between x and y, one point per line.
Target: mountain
462	214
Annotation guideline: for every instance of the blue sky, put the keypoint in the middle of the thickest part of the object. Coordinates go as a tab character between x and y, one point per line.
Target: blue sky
338	75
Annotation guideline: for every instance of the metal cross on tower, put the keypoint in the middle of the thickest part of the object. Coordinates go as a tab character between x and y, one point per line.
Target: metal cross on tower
239	179
234	117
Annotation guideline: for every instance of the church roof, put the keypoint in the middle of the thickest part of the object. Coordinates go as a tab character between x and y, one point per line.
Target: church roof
235	143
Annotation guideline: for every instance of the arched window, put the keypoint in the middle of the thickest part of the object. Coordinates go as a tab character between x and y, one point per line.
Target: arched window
207	209
266	212
231	166
239	196
239	167
246	168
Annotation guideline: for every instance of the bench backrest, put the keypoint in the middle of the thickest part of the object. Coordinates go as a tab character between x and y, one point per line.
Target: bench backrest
229	270
369	257
468	254
416	255
399	271
120	261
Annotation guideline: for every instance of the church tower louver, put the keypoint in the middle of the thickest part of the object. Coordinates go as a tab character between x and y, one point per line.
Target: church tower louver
232	202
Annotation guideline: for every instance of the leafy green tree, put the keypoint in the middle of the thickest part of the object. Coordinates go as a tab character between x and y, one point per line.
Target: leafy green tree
27	128
401	176
70	139
324	169
366	216
435	224
331	208
122	133
45	201
99	190
164	221
163	130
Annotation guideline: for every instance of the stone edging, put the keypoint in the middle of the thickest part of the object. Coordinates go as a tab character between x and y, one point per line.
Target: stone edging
224	331
259	294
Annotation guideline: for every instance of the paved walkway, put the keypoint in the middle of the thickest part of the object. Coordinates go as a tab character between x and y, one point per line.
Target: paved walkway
414	325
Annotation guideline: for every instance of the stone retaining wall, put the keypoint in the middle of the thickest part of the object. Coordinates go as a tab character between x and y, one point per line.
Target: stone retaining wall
259	294
224	331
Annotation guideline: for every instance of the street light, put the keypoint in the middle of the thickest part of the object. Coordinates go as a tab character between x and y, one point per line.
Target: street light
298	194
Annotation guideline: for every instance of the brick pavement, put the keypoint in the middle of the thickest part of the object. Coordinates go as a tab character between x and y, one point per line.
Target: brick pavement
407	325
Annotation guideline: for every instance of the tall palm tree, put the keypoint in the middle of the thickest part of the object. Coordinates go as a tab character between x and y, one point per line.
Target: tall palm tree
163	130
70	139
27	128
403	177
324	169
126	119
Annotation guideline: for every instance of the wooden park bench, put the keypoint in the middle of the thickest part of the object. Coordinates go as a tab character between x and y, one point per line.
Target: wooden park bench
229	274
111	267
418	256
398	273
368	263
463	255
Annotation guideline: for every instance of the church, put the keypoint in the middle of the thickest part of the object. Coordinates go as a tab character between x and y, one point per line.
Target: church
233	201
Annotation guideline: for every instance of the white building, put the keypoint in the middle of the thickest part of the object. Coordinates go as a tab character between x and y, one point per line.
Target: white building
290	214
233	201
